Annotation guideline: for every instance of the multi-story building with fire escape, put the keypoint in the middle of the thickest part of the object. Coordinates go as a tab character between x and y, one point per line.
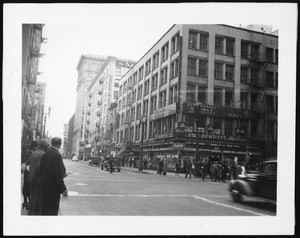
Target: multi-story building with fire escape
102	92
207	92
32	38
87	67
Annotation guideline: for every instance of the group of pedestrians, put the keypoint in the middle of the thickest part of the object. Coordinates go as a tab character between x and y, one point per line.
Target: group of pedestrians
44	174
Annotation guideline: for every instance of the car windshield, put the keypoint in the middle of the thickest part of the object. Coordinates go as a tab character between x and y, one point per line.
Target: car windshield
270	168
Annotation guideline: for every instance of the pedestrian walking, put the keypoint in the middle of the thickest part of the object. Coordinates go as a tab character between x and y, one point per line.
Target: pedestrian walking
111	165
188	170
26	167
160	166
53	173
224	172
233	171
34	178
202	171
145	164
177	167
165	165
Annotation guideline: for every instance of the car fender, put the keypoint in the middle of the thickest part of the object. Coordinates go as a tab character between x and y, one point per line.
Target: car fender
242	186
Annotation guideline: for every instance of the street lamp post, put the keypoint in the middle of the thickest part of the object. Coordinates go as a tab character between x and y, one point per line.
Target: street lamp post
46	114
143	121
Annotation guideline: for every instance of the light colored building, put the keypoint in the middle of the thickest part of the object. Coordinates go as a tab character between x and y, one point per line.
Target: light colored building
32	39
88	66
102	92
205	92
65	139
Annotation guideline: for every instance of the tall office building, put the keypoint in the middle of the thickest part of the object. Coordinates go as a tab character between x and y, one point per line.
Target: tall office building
88	66
205	92
102	92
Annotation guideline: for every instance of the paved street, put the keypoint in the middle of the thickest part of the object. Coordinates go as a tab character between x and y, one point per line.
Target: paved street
129	192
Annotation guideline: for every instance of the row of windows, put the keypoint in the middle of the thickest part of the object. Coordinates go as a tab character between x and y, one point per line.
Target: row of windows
139	74
220	126
199	40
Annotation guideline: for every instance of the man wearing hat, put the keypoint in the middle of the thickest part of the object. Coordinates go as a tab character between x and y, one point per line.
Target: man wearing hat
52	174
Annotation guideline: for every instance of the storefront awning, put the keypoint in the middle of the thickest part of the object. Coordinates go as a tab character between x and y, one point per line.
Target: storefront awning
121	151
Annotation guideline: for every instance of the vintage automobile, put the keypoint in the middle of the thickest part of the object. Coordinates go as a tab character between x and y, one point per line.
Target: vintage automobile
95	160
116	162
261	184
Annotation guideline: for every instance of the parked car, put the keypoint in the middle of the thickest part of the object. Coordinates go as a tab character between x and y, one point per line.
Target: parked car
94	160
116	162
261	184
74	158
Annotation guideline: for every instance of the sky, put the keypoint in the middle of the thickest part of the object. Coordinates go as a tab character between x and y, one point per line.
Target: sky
128	31
125	31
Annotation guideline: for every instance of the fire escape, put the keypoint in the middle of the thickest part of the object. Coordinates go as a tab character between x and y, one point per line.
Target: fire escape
258	87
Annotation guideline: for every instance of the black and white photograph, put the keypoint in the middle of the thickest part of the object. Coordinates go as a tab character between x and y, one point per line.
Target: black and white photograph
149	119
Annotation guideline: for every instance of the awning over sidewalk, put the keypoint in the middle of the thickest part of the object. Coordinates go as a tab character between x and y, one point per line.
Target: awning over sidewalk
121	151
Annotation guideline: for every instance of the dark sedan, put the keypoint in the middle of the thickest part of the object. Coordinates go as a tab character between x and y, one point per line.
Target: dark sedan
261	184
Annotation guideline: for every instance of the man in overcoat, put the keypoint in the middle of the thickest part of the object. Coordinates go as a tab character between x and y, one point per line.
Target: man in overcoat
52	174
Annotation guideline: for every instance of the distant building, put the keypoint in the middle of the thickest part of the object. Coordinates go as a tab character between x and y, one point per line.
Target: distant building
102	92
207	92
88	66
65	139
70	147
259	27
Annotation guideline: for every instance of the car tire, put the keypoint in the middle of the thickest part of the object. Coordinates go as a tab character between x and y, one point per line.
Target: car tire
236	196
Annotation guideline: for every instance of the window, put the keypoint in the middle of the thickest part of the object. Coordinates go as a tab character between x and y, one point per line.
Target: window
146	88
244	74
201	94
155	60
269	79
140	91
244	100
229	72
192	40
228	127
141	73
132	114
138	111
276	80
163	76
254	51
173	94
229	98
153	104
148	67
118	71
162	99
191	93
165	52
230	46
202	68
145	107
134	95
270	103
203	41
276	56
219	45
218	70
269	55
244	50
174	68
254	74
116	85
191	66
217	125
134	78
115	95
175	43
217	97
154	82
